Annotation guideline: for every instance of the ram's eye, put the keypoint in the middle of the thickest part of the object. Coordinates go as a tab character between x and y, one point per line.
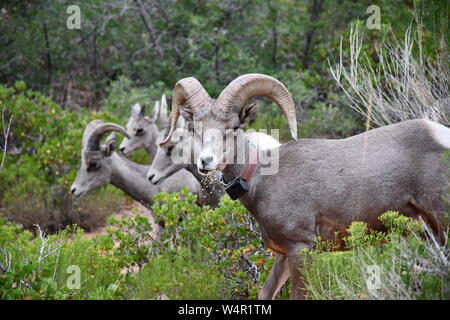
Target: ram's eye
140	132
170	149
93	166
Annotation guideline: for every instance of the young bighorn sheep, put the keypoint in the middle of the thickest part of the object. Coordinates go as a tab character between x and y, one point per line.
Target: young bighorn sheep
182	140
100	165
321	185
142	130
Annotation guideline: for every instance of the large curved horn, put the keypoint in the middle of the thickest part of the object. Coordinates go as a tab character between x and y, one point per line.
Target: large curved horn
93	142
252	85
189	93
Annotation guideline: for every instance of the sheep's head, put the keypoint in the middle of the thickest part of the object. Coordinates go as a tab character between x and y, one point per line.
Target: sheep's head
218	122
174	155
95	169
141	129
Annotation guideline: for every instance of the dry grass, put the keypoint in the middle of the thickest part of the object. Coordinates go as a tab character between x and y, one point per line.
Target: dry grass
403	86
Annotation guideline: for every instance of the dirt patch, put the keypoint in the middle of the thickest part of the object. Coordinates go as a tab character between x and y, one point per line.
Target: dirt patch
128	208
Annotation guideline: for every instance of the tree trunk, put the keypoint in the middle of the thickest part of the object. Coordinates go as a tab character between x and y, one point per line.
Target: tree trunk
315	10
148	25
48	58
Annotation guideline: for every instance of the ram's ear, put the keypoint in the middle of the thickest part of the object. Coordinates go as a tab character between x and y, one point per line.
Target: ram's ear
187	114
110	144
163	117
155	111
249	112
138	110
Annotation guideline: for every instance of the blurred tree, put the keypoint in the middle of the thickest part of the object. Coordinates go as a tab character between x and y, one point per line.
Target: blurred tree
150	41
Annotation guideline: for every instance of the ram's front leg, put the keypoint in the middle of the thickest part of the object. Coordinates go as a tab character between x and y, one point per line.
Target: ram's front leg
277	277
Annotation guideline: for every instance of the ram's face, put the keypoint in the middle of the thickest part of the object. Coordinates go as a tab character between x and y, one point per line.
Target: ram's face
219	141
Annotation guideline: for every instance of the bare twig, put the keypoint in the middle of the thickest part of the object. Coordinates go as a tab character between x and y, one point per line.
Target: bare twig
402	87
7	260
6	129
44	250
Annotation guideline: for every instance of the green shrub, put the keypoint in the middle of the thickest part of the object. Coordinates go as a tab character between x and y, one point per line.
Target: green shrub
228	234
399	224
123	93
359	236
34	185
179	275
410	267
38	268
328	121
226	238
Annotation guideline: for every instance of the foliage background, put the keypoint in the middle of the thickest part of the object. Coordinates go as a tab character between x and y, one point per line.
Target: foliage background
144	46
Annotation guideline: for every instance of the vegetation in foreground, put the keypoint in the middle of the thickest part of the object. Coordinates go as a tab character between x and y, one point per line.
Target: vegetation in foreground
215	254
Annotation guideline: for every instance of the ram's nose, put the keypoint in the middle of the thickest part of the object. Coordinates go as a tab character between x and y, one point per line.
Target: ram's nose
73	190
150	177
205	161
122	149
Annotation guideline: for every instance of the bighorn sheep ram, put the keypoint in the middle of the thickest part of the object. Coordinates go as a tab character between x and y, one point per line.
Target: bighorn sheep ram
321	185
164	166
100	165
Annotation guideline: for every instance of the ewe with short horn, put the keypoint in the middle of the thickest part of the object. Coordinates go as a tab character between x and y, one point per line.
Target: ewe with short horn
96	130
101	165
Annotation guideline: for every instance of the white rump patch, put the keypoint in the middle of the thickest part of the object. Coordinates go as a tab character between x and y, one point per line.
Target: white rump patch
440	133
262	141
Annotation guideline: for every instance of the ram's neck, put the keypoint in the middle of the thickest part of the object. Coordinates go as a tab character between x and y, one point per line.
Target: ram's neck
130	177
151	150
231	171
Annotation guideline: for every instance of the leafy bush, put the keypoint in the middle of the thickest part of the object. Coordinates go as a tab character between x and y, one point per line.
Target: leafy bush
410	267
226	237
328	121
38	268
228	234
399	224
180	275
34	185
123	93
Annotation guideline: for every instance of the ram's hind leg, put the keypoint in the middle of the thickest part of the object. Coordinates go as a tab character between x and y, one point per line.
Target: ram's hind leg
277	277
434	215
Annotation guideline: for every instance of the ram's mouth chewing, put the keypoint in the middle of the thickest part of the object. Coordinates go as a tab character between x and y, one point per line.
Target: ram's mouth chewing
203	172
78	195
